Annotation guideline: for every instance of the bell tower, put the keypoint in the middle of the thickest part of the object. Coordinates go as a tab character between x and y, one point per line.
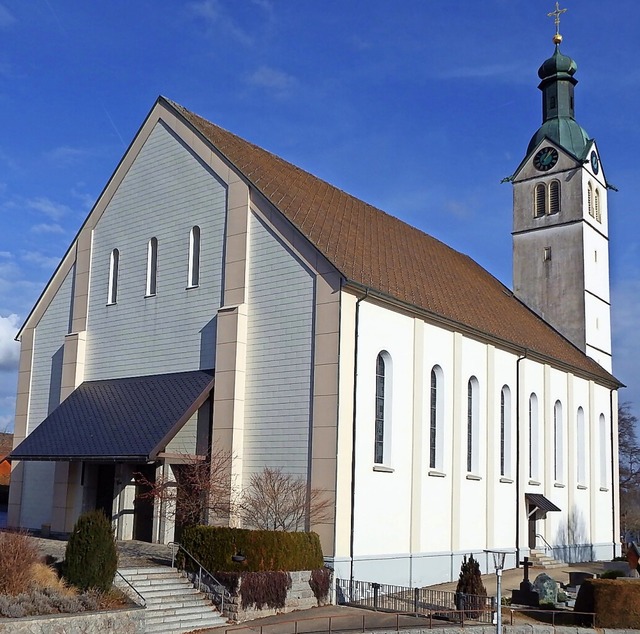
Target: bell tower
560	218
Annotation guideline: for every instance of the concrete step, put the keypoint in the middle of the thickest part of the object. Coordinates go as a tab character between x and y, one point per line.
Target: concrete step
174	606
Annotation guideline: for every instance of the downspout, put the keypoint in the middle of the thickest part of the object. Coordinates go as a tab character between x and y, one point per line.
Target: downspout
520	358
353	429
614	484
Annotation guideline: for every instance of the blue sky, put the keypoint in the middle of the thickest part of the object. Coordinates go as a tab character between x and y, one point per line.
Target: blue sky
418	107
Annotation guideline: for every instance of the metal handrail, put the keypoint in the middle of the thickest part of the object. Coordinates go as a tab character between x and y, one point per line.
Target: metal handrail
545	541
223	592
144	601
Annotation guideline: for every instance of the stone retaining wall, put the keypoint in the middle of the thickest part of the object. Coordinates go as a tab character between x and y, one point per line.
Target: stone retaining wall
299	597
130	621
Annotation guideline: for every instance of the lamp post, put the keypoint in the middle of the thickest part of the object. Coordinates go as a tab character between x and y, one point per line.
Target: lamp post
498	564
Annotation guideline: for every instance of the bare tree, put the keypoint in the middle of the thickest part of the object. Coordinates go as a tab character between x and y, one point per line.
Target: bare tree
629	453
195	490
279	501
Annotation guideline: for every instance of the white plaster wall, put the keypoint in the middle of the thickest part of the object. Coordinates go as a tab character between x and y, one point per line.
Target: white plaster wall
437	483
46	377
382	504
472	501
279	356
165	193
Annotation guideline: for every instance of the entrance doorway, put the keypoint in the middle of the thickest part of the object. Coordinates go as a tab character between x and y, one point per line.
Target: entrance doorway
105	479
143	504
533	513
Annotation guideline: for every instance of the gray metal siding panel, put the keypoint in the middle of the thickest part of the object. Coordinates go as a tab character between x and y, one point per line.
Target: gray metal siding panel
44	397
279	357
164	194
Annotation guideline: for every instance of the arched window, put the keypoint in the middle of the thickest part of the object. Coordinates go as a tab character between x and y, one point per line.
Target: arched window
505	431
596	204
114	262
533	437
590	198
581	447
558	442
602	424
383	408
473	413
436	413
554	197
152	266
540	200
194	257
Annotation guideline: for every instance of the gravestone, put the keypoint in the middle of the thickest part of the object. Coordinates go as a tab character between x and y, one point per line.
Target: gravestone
526	595
547	588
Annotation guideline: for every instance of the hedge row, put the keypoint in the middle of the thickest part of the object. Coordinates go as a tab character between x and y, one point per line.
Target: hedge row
616	602
214	547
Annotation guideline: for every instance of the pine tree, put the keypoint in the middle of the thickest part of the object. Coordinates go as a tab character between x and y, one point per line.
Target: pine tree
470	591
91	557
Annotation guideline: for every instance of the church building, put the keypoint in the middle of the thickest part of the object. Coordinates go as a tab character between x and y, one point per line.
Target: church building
218	296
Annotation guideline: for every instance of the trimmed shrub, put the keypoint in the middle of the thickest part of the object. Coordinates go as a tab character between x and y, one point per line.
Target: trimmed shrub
91	558
214	547
612	574
18	554
615	602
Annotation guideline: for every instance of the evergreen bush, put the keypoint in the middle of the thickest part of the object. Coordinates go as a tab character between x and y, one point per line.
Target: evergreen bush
470	591
91	557
214	547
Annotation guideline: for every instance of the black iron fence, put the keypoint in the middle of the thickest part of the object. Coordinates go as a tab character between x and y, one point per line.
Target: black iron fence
452	606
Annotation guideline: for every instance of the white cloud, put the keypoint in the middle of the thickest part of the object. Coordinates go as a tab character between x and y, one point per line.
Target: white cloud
6	423
65	155
47	228
217	19
9	348
273	80
6	19
41	260
48	207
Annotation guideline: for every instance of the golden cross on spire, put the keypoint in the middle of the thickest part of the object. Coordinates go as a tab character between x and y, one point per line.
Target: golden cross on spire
557	38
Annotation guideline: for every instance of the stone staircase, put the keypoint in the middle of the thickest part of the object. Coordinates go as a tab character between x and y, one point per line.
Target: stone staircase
541	560
174	606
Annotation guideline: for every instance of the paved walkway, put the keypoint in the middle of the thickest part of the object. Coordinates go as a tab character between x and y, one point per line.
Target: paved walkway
131	554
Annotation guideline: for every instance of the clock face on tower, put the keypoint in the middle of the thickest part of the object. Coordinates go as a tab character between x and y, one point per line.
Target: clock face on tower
595	163
545	159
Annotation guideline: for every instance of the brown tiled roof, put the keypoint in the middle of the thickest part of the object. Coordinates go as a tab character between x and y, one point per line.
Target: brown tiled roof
373	249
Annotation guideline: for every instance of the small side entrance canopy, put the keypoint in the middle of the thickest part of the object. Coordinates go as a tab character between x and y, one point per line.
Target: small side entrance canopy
539	505
122	420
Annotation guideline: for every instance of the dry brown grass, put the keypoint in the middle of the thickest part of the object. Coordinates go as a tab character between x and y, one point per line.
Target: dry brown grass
43	576
18	553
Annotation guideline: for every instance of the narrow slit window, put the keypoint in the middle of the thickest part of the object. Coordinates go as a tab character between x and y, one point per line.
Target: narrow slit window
540	200
114	262
558	442
472	425
436	412
533	436
581	447
554	197
381	407
152	266
194	257
505	431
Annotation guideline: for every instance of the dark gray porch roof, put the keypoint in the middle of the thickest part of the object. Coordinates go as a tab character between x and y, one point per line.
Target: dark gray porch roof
127	420
541	504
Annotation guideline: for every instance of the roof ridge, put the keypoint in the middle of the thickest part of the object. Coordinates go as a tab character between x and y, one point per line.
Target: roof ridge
376	250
